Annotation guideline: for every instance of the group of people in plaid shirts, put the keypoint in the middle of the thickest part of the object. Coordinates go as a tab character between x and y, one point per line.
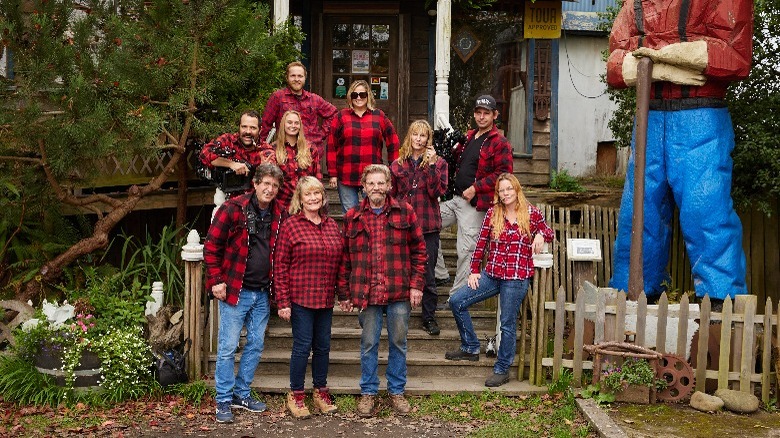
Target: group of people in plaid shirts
278	236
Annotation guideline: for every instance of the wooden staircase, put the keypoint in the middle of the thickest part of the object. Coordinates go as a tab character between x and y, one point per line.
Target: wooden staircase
427	370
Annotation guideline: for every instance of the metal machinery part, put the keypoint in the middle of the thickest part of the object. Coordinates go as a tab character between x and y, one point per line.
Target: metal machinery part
678	375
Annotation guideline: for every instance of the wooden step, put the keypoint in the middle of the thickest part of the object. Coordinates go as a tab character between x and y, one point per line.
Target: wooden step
414	386
483	320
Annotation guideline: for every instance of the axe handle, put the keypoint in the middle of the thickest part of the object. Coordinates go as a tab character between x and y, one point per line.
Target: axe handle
635	267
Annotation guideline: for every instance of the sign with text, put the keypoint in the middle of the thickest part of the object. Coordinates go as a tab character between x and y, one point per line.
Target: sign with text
542	19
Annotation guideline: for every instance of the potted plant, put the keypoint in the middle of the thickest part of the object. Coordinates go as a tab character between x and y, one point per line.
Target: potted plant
81	350
630	381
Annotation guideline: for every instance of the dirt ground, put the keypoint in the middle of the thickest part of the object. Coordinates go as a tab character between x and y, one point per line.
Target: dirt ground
680	420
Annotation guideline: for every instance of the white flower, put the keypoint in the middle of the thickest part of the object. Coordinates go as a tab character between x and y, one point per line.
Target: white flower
57	315
30	324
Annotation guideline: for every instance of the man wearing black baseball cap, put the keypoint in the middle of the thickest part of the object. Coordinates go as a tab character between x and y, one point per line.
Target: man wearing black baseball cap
478	162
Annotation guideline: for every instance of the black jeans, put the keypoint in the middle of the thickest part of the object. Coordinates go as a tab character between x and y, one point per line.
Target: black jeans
430	298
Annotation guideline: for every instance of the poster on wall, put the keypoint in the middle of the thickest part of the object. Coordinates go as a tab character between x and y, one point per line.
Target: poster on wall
380	88
340	88
360	61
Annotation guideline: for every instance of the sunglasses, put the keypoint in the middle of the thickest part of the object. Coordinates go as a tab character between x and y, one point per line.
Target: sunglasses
362	95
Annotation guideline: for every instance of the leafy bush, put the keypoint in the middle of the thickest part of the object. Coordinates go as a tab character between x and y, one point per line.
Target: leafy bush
563	182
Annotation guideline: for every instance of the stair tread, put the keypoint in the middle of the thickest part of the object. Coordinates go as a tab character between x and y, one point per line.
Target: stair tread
414	386
414	333
412	358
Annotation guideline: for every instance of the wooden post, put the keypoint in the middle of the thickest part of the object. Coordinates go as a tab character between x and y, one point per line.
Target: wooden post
192	254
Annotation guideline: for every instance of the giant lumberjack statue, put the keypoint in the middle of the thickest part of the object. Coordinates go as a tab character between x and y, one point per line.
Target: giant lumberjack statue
697	47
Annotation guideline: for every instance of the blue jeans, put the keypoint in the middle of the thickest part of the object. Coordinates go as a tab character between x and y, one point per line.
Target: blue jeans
510	294
311	333
251	310
349	196
397	326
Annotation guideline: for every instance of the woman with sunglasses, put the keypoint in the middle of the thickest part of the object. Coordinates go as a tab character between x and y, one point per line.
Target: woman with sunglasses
512	232
357	135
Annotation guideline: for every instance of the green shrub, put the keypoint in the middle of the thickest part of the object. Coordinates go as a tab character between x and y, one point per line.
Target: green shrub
563	182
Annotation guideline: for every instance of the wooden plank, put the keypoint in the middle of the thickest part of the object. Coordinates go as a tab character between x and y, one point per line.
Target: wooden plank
704	339
560	321
660	337
579	329
772	257
534	336
682	326
747	364
620	318
568	363
736	340
766	352
641	320
541	345
725	345
777	342
523	338
757	253
746	232
601	309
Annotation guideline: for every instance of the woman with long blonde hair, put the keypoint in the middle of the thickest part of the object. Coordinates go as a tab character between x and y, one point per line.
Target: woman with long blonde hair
294	155
306	261
513	230
420	177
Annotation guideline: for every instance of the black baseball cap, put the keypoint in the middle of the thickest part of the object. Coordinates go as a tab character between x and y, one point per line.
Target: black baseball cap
485	101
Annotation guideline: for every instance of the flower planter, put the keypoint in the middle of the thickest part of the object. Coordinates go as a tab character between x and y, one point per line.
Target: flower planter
634	394
49	361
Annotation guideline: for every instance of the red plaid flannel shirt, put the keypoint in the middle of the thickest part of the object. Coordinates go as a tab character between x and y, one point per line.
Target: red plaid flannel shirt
230	141
404	255
495	158
421	188
292	172
511	256
306	262
356	141
311	106
227	245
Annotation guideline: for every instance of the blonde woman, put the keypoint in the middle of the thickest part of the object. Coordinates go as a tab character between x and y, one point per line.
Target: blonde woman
513	230
307	258
420	178
294	155
357	135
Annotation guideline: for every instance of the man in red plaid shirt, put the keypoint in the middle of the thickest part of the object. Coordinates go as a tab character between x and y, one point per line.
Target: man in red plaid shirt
382	270
312	107
238	256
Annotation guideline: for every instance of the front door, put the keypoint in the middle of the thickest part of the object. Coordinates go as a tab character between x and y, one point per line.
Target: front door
361	47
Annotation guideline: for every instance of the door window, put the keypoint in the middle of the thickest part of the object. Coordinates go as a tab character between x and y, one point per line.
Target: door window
360	51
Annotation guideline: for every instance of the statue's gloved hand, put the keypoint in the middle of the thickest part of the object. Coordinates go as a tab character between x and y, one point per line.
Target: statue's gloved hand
661	72
687	55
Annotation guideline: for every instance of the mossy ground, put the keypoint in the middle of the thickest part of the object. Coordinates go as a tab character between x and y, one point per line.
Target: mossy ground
680	420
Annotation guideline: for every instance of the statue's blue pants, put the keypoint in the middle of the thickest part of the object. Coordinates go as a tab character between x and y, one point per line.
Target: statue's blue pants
688	164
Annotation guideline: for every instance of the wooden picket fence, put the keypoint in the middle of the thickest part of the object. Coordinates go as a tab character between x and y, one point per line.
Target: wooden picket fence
742	331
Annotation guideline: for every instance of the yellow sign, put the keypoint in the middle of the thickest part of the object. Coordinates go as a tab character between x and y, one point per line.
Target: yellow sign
542	19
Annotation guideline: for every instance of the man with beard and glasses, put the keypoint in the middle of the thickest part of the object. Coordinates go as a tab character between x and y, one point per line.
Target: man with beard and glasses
238	152
382	271
316	112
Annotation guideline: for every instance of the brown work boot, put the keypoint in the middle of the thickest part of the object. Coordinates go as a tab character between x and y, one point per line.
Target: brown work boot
323	400
366	405
296	405
400	404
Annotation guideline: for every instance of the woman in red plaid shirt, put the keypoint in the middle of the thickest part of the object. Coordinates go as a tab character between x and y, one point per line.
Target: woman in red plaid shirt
295	156
419	178
307	258
513	230
355	141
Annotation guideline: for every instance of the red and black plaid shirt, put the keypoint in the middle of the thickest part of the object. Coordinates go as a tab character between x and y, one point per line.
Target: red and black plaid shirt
421	188
311	106
511	256
356	141
227	245
229	146
307	261
293	172
403	254
495	158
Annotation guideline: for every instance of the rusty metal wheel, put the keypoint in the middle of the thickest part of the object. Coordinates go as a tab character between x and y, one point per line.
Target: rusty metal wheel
678	375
